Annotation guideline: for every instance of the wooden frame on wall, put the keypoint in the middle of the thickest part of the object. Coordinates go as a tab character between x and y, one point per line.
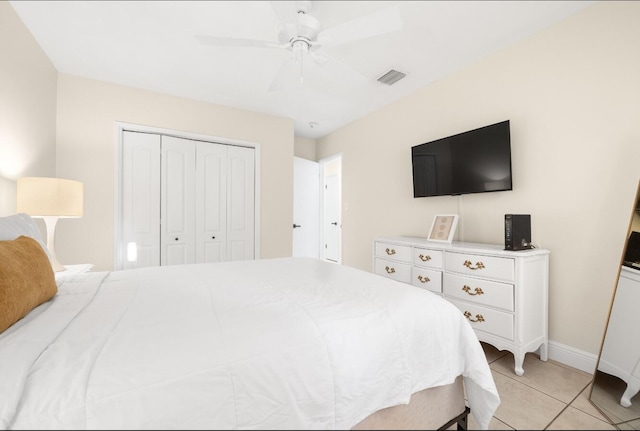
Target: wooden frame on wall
443	227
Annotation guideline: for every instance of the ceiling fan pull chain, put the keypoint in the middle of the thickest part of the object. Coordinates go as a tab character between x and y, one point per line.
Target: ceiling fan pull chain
301	59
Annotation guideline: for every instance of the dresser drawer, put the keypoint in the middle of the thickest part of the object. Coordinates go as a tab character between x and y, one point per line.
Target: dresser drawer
393	251
478	291
427	258
427	279
395	270
496	268
486	320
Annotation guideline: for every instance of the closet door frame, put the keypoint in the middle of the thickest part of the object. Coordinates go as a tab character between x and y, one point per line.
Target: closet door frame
120	127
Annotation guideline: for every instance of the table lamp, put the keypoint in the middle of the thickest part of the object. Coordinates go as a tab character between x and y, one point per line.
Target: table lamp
50	199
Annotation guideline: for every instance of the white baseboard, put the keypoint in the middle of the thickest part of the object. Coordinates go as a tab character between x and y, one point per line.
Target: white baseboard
575	358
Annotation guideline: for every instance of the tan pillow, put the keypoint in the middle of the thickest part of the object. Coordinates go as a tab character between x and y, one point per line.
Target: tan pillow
26	279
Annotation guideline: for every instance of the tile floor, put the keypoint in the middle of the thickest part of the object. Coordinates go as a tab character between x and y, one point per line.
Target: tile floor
549	395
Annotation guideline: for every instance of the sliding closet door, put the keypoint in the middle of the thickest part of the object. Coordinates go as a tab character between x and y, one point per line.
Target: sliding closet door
211	202
140	200
240	202
185	201
177	205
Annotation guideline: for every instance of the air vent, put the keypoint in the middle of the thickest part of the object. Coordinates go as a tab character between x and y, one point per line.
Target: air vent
391	77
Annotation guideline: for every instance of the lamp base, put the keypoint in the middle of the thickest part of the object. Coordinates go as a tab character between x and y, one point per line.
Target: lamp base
50	222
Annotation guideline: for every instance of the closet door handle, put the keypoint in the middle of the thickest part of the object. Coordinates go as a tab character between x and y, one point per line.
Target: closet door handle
176	238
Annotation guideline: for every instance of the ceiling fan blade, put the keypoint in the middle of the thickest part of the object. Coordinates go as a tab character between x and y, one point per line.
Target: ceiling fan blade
381	22
320	59
317	73
238	42
332	67
286	75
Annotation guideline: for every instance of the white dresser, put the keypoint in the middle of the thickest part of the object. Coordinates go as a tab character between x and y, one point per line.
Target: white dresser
503	294
620	355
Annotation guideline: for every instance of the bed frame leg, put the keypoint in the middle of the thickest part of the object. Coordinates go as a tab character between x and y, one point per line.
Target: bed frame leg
460	421
463	423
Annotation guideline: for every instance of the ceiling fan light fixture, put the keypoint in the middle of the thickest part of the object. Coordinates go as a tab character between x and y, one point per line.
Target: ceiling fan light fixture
299	44
391	77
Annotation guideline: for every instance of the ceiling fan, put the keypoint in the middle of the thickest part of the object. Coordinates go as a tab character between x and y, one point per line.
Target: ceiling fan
303	35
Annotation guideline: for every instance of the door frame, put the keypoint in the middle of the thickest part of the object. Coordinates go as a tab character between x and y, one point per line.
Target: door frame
120	127
325	166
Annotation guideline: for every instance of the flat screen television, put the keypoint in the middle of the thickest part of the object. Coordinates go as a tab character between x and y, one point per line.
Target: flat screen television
476	161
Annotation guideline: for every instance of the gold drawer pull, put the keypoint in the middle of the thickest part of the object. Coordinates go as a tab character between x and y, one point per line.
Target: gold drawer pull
424	258
389	270
468	264
391	252
479	317
478	290
424	279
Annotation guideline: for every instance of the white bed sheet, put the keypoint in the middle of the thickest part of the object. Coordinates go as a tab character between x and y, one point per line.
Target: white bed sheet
290	343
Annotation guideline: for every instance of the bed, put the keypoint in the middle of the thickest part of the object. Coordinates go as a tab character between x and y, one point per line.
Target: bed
284	343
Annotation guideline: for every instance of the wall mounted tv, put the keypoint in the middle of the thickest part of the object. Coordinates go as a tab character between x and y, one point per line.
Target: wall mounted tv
470	162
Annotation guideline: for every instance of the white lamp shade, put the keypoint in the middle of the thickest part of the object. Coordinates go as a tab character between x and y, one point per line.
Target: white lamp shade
51	199
40	197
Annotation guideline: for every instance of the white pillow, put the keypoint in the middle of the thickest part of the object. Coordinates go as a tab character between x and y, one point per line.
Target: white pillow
11	227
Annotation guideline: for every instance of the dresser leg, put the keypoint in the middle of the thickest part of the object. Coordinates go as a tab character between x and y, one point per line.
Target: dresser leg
630	392
544	351
519	360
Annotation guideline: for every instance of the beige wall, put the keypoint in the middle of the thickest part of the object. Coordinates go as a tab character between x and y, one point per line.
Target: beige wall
572	93
27	108
87	113
305	148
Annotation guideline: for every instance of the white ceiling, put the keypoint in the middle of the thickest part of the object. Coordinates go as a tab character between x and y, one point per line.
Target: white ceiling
155	45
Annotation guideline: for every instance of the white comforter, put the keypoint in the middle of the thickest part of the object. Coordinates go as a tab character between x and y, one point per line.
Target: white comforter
291	343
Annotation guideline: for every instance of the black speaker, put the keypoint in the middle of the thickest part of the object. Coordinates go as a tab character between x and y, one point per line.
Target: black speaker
517	231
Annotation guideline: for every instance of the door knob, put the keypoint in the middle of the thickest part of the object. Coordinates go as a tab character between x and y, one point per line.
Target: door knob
296	225
335	223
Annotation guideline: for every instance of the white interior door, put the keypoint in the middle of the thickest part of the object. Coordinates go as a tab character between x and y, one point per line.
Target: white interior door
211	202
306	208
177	207
140	200
240	203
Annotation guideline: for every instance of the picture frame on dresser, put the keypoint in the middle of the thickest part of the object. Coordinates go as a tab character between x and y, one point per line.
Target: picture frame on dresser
443	228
